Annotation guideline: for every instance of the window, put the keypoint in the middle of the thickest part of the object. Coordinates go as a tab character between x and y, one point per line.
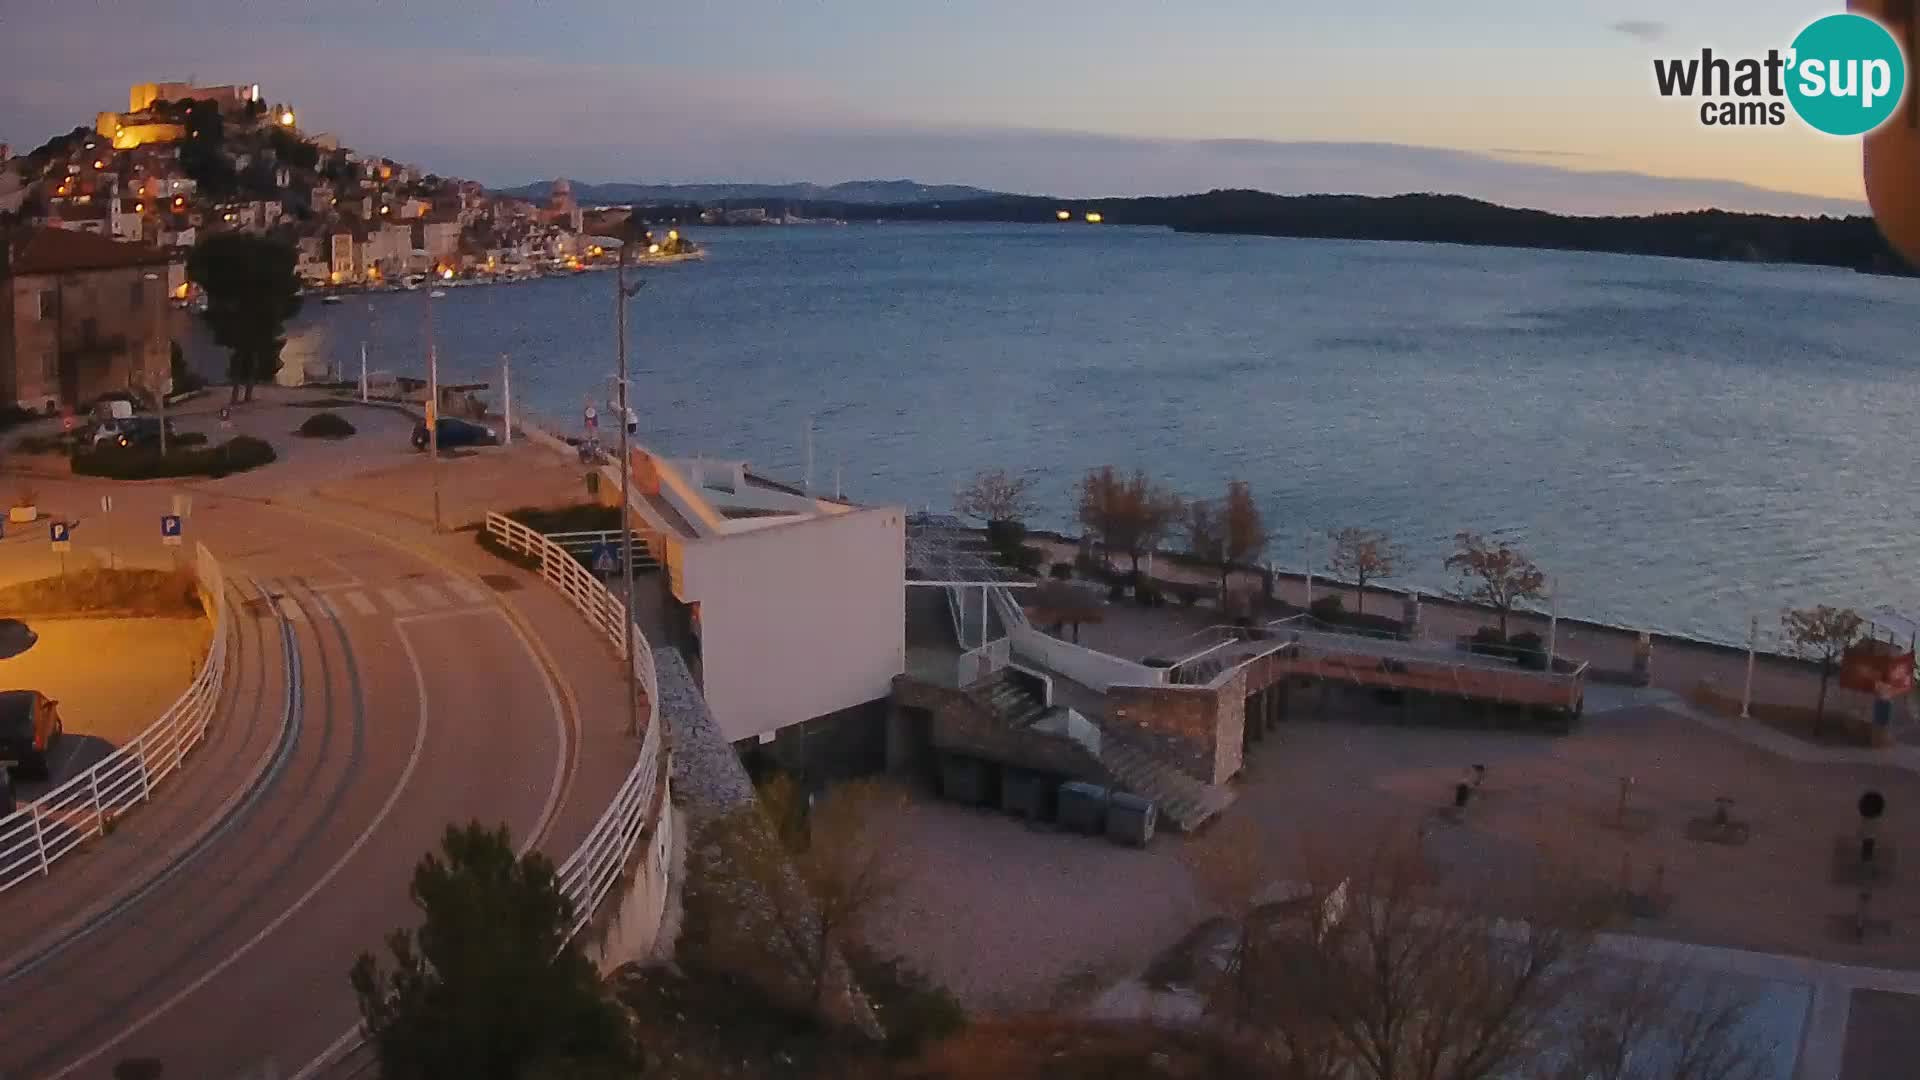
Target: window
49	304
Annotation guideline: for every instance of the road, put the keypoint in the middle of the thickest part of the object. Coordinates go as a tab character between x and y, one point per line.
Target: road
383	695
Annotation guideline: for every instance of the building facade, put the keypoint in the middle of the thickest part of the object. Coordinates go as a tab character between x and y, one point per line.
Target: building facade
80	315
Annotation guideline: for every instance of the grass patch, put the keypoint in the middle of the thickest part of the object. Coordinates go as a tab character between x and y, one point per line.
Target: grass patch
326	425
239	454
96	589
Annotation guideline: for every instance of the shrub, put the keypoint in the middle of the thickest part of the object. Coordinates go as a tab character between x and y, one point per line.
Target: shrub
238	454
1148	594
913	1010
1328	609
1529	650
1488	642
326	425
1116	592
579	517
1188	595
1006	536
186	438
1027	560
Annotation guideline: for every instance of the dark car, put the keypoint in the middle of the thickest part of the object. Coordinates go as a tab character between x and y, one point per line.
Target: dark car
30	725
456	432
142	431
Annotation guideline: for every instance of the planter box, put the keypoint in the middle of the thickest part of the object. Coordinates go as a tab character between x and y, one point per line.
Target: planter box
23	514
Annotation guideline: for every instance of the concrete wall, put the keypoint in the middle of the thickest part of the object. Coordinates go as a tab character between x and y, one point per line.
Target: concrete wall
800	620
632	932
1090	668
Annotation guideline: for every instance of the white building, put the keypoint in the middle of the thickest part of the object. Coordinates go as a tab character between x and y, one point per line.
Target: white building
795	602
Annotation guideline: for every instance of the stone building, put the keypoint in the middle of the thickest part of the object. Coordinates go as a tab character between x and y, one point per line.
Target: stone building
80	315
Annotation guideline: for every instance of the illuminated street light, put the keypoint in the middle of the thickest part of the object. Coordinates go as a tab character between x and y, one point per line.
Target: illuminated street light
1063	215
1094	218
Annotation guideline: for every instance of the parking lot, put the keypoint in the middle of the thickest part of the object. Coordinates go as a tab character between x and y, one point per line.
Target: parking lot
112	677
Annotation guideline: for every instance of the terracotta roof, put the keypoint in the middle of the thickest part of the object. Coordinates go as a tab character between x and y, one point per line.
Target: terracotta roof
61	251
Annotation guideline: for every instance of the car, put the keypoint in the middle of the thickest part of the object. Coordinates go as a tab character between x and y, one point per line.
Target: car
456	432
140	431
30	727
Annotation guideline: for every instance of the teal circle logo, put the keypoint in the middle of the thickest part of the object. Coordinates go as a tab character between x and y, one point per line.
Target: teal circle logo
1846	75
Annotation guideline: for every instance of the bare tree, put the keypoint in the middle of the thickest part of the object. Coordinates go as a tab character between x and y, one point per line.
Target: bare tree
1130	515
1498	574
1245	527
995	495
1822	634
1654	1020
1360	556
1207	539
807	881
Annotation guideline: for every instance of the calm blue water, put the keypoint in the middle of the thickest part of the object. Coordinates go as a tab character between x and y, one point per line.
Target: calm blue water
1681	444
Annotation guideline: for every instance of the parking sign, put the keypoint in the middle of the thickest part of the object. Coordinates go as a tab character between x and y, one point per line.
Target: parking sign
57	532
170	529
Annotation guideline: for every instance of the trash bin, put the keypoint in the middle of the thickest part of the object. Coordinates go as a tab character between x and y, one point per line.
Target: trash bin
1026	794
963	779
1083	807
1130	819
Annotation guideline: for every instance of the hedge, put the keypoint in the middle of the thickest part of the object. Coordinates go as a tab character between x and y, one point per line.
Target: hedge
326	425
238	454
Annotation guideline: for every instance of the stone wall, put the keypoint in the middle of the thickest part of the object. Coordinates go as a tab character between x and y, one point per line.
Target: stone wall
962	723
1202	729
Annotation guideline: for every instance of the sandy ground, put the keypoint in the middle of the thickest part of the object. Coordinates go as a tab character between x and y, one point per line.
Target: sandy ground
1010	916
112	678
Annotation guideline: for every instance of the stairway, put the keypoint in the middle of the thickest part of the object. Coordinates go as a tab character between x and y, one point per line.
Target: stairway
1012	702
1185	802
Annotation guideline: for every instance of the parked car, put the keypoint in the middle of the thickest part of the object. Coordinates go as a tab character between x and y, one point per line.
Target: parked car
456	432
30	726
141	431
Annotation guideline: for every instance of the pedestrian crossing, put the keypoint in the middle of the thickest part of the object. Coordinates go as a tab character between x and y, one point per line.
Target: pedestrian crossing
370	601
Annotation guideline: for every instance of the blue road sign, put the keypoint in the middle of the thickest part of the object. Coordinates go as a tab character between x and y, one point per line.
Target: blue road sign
604	561
169	525
57	531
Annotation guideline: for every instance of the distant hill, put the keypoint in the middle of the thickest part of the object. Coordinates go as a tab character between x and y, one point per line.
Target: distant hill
1851	242
854	192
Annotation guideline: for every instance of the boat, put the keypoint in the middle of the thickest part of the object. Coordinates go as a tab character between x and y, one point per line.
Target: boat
333	298
436	294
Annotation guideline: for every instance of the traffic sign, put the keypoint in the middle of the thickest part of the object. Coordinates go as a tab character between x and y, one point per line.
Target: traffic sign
66	419
603	558
57	532
170	529
593	418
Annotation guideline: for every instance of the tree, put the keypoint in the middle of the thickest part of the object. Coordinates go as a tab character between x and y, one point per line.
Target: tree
1131	515
1246	529
252	291
994	495
1382	964
1497	575
1207	540
203	155
1363	555
489	986
807	881
1822	634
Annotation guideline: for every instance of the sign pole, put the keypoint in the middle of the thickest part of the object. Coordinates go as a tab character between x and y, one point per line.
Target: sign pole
1746	694
506	385
1553	620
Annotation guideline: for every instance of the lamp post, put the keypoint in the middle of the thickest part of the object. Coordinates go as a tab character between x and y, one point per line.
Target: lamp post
433	411
621	295
1746	692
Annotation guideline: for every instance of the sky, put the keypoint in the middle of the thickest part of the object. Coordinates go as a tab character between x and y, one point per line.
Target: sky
1549	103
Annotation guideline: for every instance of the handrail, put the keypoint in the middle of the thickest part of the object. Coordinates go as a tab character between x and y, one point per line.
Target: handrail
42	832
595	866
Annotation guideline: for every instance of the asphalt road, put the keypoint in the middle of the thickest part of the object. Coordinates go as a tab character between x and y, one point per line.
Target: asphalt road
383	696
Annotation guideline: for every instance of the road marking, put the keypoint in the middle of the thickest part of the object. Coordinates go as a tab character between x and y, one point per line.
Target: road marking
396	599
565	764
290	608
379	818
467	590
430	597
359	602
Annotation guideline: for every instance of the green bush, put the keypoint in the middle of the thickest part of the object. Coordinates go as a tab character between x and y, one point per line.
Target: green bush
326	425
1528	650
238	454
1328	609
580	517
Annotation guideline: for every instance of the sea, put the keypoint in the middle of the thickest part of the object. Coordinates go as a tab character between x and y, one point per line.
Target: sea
1682	446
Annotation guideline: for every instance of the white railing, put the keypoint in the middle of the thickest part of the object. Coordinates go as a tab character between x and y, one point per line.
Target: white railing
1085	666
976	664
85	806
595	866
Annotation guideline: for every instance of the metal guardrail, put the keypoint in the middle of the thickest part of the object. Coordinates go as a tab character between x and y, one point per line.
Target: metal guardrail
595	866
42	832
581	545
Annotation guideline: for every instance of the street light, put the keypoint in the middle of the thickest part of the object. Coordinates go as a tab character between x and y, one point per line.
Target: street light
621	295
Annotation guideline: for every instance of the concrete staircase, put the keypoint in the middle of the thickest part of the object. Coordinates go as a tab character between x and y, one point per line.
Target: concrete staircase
1185	802
1012	702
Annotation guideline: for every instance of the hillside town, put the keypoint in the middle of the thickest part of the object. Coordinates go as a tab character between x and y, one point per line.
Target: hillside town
96	226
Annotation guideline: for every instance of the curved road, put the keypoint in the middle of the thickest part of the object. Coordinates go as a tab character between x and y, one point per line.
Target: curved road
392	697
